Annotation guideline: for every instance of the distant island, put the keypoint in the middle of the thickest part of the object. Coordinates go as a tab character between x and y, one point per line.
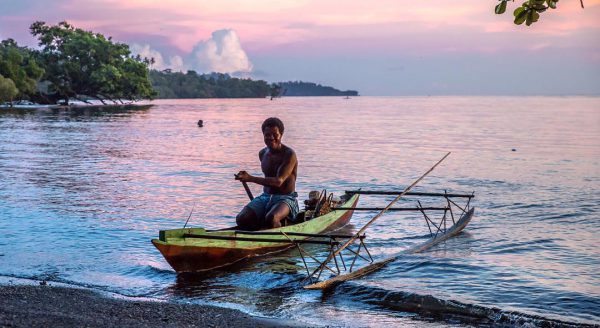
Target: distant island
175	85
300	89
172	85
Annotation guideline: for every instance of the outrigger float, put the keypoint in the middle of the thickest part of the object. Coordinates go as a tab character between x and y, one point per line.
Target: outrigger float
198	249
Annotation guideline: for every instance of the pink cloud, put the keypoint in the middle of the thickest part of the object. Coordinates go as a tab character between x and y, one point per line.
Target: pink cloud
313	28
267	24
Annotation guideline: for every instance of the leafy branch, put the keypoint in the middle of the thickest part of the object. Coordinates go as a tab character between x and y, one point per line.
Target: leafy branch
529	12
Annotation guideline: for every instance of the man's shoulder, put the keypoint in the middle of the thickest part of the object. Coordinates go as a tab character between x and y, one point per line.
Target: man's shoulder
289	150
285	151
263	152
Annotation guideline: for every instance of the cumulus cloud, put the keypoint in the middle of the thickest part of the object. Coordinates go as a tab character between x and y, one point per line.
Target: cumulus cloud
222	53
175	62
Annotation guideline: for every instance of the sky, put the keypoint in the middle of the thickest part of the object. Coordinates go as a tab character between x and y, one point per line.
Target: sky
377	47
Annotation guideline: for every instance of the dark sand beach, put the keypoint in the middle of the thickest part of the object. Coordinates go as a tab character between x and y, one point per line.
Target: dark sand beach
50	306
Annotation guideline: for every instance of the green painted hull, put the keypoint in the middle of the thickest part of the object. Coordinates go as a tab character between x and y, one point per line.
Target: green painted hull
186	254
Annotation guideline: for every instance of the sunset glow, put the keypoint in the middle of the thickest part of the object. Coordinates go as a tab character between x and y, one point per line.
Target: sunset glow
316	41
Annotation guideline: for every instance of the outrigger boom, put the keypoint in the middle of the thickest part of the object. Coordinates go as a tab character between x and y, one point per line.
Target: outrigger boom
351	240
442	233
374	266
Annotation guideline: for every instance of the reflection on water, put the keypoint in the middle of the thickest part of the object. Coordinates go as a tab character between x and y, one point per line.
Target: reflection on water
83	191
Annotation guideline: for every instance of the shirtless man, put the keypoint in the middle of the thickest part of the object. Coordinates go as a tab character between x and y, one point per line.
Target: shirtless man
279	199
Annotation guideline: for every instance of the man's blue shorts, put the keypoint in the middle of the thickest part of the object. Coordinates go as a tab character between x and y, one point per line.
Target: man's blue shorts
262	204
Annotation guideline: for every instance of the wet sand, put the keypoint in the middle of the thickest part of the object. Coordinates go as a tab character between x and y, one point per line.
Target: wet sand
50	306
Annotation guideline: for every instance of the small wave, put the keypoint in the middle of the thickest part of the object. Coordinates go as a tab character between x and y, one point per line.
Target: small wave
523	247
525	205
563	218
414	237
51	274
480	183
185	174
149	271
108	291
428	307
53	278
160	271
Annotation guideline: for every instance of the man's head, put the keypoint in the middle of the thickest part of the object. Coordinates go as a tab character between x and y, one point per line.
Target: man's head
272	129
273	122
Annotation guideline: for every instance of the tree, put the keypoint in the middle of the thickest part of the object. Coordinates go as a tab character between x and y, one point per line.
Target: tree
8	90
19	64
85	64
275	90
529	12
214	85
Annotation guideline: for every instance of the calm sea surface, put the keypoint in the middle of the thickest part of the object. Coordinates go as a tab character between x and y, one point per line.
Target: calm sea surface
82	192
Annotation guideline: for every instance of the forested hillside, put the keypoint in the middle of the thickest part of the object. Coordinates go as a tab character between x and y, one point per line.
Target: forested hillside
170	84
299	88
193	85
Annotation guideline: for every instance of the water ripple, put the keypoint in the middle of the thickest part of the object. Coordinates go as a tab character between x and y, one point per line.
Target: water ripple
83	191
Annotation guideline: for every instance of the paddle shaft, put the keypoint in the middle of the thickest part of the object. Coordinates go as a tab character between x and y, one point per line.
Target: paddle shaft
248	192
351	240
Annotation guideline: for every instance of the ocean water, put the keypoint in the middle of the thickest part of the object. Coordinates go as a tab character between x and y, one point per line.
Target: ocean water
82	193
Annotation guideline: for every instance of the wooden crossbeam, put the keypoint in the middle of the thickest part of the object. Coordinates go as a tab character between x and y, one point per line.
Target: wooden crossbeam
398	192
266	240
396	209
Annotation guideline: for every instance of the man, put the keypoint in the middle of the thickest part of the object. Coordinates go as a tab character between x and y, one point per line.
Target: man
279	199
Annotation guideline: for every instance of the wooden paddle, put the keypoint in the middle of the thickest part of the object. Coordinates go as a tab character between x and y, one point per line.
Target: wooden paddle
248	192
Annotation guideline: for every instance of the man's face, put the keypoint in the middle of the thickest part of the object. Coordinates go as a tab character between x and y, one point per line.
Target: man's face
272	137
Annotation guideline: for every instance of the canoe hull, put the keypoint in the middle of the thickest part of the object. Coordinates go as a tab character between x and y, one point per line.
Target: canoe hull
199	256
198	259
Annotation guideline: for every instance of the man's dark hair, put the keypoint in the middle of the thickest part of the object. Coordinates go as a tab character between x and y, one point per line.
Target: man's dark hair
272	122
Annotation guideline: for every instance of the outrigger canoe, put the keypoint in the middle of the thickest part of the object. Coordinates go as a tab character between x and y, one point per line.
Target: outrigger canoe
198	249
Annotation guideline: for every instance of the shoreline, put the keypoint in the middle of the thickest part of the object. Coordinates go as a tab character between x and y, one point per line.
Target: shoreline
23	305
63	107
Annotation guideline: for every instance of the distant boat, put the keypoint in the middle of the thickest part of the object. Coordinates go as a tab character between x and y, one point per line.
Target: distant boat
78	103
24	104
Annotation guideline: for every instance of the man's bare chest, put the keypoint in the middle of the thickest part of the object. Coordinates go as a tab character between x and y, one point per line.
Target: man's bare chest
270	164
